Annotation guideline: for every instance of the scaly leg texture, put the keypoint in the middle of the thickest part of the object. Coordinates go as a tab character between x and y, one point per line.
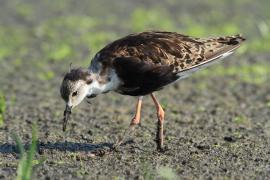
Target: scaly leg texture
135	121
160	116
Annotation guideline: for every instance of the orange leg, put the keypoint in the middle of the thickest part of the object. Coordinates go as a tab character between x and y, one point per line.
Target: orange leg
160	115
137	117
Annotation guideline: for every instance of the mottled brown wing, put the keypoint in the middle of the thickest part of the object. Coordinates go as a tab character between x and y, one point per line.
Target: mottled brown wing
170	48
212	49
147	61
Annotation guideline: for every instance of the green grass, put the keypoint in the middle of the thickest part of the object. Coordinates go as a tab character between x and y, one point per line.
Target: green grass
150	19
47	75
61	52
252	74
12	40
63	37
239	120
148	172
162	172
27	161
212	23
66	38
2	108
242	121
166	173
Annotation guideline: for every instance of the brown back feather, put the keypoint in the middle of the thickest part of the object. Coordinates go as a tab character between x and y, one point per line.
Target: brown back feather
169	48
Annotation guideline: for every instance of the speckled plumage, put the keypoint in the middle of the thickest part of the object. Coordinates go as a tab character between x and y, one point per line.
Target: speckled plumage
140	64
147	61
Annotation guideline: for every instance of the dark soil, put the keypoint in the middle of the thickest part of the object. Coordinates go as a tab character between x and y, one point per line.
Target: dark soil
216	126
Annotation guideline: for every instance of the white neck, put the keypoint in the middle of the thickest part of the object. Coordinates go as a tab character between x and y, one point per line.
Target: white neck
98	88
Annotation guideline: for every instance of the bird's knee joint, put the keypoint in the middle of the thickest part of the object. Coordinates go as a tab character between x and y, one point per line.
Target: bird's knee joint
160	118
161	114
135	121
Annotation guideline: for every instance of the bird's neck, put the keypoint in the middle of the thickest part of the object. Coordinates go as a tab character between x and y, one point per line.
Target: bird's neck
100	86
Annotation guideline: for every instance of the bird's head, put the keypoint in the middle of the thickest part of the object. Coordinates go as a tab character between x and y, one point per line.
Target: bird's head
80	83
75	86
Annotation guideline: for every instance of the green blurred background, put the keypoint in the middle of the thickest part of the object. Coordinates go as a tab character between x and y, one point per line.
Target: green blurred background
40	38
49	34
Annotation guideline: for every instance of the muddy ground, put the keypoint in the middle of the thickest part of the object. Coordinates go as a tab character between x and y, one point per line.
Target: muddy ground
217	122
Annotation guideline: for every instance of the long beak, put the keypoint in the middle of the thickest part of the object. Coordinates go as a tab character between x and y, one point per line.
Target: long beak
67	113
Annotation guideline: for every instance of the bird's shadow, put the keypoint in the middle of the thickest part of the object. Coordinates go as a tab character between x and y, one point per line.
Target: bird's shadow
9	148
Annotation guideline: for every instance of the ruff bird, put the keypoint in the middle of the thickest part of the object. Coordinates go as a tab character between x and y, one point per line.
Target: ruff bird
140	64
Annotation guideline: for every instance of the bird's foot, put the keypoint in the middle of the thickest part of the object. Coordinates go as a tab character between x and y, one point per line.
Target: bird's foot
162	149
127	133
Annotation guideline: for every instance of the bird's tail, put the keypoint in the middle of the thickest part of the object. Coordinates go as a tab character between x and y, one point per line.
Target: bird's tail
221	46
214	49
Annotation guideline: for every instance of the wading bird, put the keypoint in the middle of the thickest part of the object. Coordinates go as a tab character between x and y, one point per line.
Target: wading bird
140	64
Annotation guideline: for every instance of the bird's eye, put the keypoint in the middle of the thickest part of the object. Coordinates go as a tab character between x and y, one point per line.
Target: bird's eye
75	93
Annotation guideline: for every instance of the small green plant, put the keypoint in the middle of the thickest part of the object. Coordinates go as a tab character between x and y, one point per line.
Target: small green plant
242	121
27	161
239	120
166	173
2	109
148	172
